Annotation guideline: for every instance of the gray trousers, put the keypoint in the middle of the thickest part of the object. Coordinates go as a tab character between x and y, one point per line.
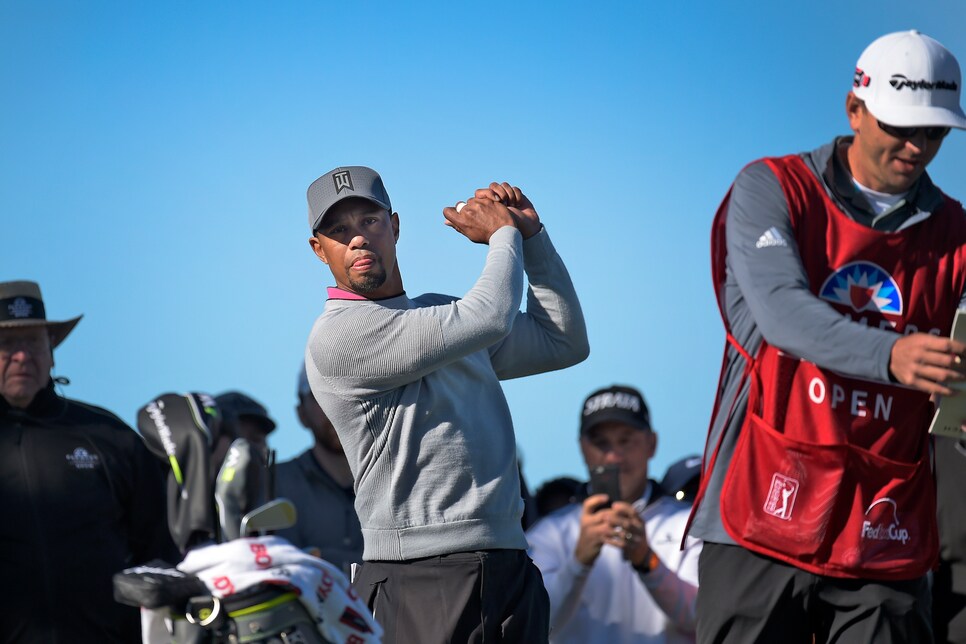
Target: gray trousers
485	596
744	597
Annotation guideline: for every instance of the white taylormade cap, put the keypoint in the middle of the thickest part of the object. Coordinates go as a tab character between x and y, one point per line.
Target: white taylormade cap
910	80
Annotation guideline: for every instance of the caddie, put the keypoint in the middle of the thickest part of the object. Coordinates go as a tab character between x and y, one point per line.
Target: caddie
838	273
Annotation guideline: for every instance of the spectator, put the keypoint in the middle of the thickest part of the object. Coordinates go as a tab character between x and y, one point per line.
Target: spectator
838	272
319	482
244	417
682	478
614	568
412	387
85	497
557	493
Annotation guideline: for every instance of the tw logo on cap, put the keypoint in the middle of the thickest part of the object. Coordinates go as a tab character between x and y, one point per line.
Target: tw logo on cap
343	181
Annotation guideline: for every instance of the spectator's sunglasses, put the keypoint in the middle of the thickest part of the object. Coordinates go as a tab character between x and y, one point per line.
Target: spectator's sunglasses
932	133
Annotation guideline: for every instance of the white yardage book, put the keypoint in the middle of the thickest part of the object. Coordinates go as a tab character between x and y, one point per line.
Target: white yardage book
951	410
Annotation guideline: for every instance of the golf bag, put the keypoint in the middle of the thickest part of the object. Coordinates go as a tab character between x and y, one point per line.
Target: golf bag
179	429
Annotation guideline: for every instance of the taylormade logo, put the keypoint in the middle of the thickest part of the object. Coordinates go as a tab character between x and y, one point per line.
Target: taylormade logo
899	82
164	432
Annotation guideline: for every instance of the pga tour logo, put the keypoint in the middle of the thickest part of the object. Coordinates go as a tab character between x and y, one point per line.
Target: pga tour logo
781	496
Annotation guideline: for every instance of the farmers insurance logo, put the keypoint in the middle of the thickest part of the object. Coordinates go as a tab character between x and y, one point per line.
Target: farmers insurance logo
863	286
343	181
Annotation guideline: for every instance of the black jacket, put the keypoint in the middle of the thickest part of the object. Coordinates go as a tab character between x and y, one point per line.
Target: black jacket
83	498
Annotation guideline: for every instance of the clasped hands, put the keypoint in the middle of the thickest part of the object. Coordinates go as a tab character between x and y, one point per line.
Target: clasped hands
491	208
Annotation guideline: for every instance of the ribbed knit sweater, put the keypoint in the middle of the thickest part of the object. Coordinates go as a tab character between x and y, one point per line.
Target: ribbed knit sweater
412	387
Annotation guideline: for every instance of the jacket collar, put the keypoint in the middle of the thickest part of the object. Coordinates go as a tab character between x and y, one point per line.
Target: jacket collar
44	405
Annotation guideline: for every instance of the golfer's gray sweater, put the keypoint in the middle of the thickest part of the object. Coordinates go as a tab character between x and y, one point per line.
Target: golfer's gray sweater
412	387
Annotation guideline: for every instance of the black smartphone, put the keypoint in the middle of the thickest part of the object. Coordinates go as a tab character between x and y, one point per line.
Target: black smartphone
605	479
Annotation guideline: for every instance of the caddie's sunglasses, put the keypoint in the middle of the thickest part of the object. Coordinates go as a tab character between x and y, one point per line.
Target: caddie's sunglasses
932	133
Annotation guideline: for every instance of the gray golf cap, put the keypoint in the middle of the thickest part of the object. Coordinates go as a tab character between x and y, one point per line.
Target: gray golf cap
342	183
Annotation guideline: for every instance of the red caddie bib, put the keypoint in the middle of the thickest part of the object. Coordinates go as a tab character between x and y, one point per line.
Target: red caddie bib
833	474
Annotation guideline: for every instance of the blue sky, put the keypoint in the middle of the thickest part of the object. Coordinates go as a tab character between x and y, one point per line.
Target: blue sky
155	158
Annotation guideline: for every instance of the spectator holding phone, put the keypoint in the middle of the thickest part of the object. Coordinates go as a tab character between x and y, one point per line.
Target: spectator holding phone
613	565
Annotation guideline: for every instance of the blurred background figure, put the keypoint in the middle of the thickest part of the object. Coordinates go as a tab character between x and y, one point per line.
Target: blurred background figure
244	417
557	493
682	478
241	417
319	482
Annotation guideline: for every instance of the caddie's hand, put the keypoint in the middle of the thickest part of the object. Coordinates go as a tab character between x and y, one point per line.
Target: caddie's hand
479	219
927	362
596	526
526	217
628	533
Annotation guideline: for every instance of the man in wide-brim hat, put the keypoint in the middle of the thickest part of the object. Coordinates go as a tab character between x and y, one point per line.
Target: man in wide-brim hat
27	340
85	496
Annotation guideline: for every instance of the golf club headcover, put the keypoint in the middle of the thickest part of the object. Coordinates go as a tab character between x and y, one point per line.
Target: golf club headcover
210	414
235	566
174	429
239	487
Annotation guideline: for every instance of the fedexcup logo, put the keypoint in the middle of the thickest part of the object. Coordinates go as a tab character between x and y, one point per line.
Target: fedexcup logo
343	181
884	526
900	82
